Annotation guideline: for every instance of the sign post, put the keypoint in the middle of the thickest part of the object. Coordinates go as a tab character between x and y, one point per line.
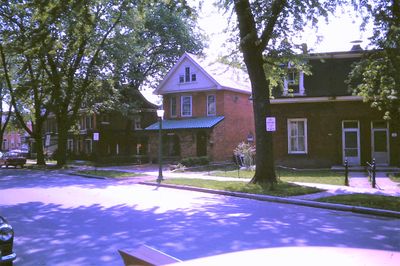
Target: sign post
270	123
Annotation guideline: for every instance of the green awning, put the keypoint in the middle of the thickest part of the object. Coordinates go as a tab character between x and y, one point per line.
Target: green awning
191	123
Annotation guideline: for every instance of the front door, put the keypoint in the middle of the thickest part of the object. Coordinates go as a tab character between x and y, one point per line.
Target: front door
379	142
351	142
201	143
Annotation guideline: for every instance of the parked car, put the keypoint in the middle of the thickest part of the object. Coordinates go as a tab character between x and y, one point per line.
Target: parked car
12	158
7	256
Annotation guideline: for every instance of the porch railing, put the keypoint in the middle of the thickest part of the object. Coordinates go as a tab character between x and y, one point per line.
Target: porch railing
371	169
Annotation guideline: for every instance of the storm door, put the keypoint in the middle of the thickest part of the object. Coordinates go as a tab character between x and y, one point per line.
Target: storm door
379	142
351	142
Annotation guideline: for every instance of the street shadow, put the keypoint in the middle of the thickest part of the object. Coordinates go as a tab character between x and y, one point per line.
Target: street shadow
28	178
55	234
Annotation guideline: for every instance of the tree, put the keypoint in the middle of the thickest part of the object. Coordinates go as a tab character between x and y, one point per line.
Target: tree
147	42
4	115
23	71
265	32
377	76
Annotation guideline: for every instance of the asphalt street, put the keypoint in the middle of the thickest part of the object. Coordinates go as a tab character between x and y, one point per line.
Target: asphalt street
60	219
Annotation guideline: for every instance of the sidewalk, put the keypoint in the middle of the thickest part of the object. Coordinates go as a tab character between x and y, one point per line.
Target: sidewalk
358	181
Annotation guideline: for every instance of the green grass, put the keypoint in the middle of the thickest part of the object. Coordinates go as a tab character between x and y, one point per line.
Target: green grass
305	176
366	200
395	177
108	173
282	189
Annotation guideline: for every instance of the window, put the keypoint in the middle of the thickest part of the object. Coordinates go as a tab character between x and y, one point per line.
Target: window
211	105
187	74
137	123
70	145
173	106
186	105
297	136
293	83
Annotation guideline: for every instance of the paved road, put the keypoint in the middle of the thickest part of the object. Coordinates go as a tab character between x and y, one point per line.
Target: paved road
68	220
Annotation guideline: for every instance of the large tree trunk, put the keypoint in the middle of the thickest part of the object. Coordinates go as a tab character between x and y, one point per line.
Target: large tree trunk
39	147
62	140
253	58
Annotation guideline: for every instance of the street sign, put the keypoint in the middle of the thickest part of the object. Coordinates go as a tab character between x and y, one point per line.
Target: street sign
96	136
270	123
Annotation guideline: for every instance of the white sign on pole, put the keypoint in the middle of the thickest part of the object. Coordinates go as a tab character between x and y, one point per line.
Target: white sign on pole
270	123
96	136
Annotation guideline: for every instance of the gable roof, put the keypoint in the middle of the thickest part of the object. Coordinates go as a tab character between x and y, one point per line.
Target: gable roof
222	75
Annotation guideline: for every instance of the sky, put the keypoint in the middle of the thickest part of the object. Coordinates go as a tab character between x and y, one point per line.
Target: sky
336	36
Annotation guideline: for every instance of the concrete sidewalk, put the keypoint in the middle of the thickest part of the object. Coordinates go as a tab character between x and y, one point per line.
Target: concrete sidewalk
358	181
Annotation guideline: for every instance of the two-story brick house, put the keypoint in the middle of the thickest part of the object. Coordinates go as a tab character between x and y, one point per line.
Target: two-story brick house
321	124
208	111
107	136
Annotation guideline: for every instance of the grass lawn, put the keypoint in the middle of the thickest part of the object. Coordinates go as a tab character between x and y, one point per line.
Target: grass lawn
282	189
366	200
306	176
395	177
108	173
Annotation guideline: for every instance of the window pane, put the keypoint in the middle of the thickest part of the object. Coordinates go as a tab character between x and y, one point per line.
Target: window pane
186	106
187	74
297	136
173	106
211	110
350	124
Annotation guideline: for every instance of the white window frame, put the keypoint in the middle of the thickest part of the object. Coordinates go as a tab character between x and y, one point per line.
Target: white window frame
215	105
191	106
137	123
287	82
289	130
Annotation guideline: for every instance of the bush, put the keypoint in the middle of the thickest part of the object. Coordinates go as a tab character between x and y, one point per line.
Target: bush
193	161
245	155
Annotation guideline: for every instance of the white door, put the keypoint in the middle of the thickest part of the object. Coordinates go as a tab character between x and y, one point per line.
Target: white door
380	142
351	142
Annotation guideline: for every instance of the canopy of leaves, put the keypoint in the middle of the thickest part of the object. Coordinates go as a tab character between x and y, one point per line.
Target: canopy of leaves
376	78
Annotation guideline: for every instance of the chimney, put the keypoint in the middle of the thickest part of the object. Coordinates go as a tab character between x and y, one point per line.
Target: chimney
356	46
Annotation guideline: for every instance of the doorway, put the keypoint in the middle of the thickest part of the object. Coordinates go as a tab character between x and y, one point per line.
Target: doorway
201	143
351	142
380	142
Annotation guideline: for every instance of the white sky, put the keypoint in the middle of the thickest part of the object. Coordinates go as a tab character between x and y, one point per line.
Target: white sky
337	35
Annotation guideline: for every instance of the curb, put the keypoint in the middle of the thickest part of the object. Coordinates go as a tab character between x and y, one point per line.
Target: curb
308	203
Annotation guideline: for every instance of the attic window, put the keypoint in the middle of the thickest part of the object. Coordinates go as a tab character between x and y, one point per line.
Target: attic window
188	76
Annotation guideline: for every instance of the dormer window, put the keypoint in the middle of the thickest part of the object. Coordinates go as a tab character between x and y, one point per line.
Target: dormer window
188	76
293	83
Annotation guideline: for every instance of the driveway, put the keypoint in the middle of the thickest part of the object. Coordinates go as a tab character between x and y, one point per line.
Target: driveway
61	219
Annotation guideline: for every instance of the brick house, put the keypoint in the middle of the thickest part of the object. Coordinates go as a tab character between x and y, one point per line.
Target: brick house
207	110
108	136
321	124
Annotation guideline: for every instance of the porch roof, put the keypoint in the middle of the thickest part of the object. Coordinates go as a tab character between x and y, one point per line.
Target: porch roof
190	123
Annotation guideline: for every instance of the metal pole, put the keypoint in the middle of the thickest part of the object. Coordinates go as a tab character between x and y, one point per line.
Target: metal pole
346	173
373	173
160	174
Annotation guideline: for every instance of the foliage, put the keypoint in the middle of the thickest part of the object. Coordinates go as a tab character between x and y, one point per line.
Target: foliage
76	56
266	31
108	173
245	152
376	78
193	161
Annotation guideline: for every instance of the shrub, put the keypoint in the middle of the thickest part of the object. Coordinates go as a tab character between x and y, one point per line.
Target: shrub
192	161
245	154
